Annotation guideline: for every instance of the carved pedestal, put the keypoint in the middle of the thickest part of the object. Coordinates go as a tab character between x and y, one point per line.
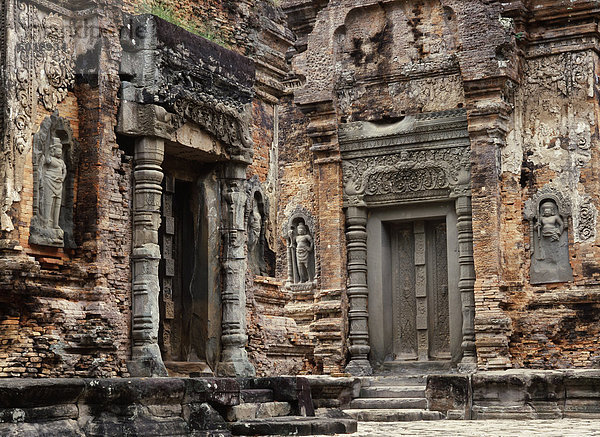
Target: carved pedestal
358	293
234	359
146	356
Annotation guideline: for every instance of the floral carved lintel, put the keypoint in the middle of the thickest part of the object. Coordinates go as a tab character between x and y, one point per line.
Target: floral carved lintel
407	175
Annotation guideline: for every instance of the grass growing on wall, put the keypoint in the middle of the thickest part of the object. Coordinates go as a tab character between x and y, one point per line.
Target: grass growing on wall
160	10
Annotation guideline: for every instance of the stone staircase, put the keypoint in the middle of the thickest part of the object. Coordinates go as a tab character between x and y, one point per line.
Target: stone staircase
392	399
264	411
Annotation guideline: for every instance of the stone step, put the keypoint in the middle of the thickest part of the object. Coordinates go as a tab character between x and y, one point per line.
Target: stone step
294	425
389	415
389	381
416	367
387	403
406	391
256	395
264	410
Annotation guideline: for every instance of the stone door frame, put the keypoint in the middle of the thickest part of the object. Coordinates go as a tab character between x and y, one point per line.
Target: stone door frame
378	253
421	159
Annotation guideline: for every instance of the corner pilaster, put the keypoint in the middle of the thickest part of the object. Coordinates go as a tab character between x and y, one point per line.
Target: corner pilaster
466	283
358	293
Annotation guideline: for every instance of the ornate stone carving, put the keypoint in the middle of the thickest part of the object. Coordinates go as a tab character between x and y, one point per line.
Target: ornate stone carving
548	212
586	221
405	174
234	358
358	293
146	355
422	157
191	77
387	164
256	224
43	70
299	234
54	162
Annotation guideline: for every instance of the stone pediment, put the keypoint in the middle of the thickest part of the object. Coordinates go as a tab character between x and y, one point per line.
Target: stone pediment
446	126
191	77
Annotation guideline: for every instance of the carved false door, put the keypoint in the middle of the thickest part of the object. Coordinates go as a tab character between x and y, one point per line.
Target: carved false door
177	248
419	270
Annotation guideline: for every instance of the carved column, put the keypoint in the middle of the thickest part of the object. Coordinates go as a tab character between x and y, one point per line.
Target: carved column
358	293
234	358
466	282
146	356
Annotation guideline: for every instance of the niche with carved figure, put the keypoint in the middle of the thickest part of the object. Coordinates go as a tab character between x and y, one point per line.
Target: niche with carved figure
548	212
261	259
54	162
299	233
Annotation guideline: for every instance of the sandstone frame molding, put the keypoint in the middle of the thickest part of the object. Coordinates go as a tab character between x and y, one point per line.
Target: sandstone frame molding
421	159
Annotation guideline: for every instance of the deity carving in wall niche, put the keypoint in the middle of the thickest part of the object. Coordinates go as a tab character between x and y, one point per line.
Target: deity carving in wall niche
260	256
303	248
548	213
53	173
301	254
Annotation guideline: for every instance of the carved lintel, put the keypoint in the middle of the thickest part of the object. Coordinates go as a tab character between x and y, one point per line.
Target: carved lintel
145	120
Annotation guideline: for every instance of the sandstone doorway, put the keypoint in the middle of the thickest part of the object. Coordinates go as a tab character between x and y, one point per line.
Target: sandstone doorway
185	308
419	290
415	310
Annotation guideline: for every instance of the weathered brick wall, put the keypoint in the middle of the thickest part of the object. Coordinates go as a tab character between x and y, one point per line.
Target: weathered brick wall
554	325
67	312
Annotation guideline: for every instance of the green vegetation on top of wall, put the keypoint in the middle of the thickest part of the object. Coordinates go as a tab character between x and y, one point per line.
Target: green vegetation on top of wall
204	29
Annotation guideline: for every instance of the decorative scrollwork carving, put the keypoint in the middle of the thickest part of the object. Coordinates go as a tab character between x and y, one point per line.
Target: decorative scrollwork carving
586	229
406	173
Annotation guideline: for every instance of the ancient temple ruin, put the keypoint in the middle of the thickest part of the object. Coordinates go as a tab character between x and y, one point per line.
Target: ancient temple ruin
261	188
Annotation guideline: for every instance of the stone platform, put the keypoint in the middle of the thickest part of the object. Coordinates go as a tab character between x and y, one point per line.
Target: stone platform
163	407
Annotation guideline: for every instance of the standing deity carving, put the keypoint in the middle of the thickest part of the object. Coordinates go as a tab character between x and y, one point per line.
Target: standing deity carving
53	168
303	248
260	256
548	212
54	172
301	254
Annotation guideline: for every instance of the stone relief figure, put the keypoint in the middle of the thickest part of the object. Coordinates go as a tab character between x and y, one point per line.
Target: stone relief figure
255	232
301	254
54	172
550	224
54	161
261	259
548	212
303	243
